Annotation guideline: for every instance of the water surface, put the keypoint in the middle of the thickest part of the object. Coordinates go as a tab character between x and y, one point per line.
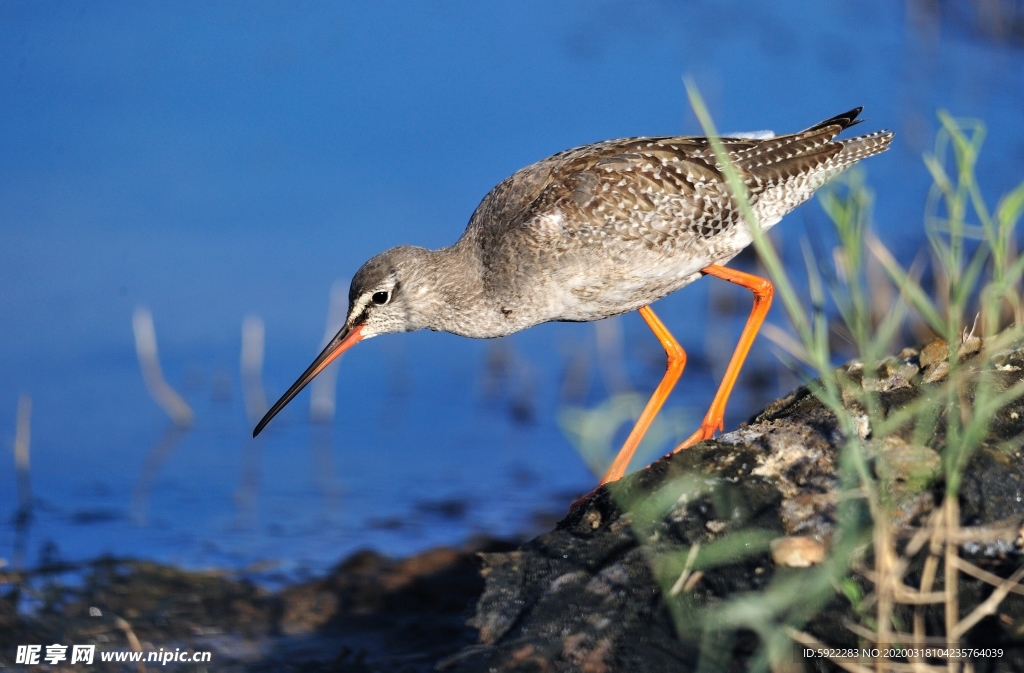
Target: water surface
228	159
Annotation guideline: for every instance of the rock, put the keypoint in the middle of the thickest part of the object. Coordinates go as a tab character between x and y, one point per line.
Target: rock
934	358
906	467
937	372
616	586
370	613
908	353
970	346
933	352
797	551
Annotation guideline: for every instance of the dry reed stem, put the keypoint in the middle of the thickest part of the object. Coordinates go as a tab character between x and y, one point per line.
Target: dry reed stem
323	389
149	362
251	364
691	556
133	641
979	534
897	636
922	535
990	604
983	535
611	360
944	536
951	507
914	667
885	562
785	341
905	595
974	571
931	567
808	640
22	446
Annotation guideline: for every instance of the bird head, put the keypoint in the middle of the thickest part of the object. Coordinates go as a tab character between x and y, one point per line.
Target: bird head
381	297
378	303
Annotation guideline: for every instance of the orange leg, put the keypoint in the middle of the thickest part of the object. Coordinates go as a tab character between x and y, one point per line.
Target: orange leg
676	362
763	290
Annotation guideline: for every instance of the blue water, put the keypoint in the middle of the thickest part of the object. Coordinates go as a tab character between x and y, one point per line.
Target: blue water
218	160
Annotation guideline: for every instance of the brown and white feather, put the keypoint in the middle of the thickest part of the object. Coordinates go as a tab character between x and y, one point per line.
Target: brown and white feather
610	227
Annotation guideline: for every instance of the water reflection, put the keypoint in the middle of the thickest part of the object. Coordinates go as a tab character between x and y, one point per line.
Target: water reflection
322	403
325	477
255	399
142	492
22	466
246	493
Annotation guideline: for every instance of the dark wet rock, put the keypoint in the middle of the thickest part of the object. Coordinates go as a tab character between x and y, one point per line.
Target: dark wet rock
371	613
591	595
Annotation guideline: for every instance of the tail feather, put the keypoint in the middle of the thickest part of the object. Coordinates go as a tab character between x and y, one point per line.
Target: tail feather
864	146
843	121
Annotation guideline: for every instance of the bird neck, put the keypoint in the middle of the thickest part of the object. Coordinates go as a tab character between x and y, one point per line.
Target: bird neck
452	289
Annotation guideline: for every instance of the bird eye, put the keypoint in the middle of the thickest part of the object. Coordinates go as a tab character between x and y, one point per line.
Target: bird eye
380	298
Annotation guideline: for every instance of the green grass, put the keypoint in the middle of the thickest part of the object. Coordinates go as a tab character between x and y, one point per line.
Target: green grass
593	431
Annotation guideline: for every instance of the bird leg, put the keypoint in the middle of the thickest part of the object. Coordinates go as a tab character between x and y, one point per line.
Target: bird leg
676	362
763	290
714	420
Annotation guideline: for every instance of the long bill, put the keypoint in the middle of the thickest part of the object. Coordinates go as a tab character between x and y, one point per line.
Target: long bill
342	341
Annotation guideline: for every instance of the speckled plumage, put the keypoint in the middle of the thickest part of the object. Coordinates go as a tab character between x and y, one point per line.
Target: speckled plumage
590	233
603	229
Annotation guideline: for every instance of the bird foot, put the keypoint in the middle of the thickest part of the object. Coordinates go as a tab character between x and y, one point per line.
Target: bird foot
578	502
705	431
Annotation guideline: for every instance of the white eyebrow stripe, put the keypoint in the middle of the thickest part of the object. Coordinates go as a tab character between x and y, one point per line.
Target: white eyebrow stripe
360	304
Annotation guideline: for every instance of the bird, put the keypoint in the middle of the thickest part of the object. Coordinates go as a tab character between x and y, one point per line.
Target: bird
599	231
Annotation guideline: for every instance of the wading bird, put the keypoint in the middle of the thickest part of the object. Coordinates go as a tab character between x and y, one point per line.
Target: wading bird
594	232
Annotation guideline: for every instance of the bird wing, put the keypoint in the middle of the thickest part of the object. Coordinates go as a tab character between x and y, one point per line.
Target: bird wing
667	192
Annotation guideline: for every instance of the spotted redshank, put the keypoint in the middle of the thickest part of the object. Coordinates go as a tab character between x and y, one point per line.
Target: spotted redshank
598	231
